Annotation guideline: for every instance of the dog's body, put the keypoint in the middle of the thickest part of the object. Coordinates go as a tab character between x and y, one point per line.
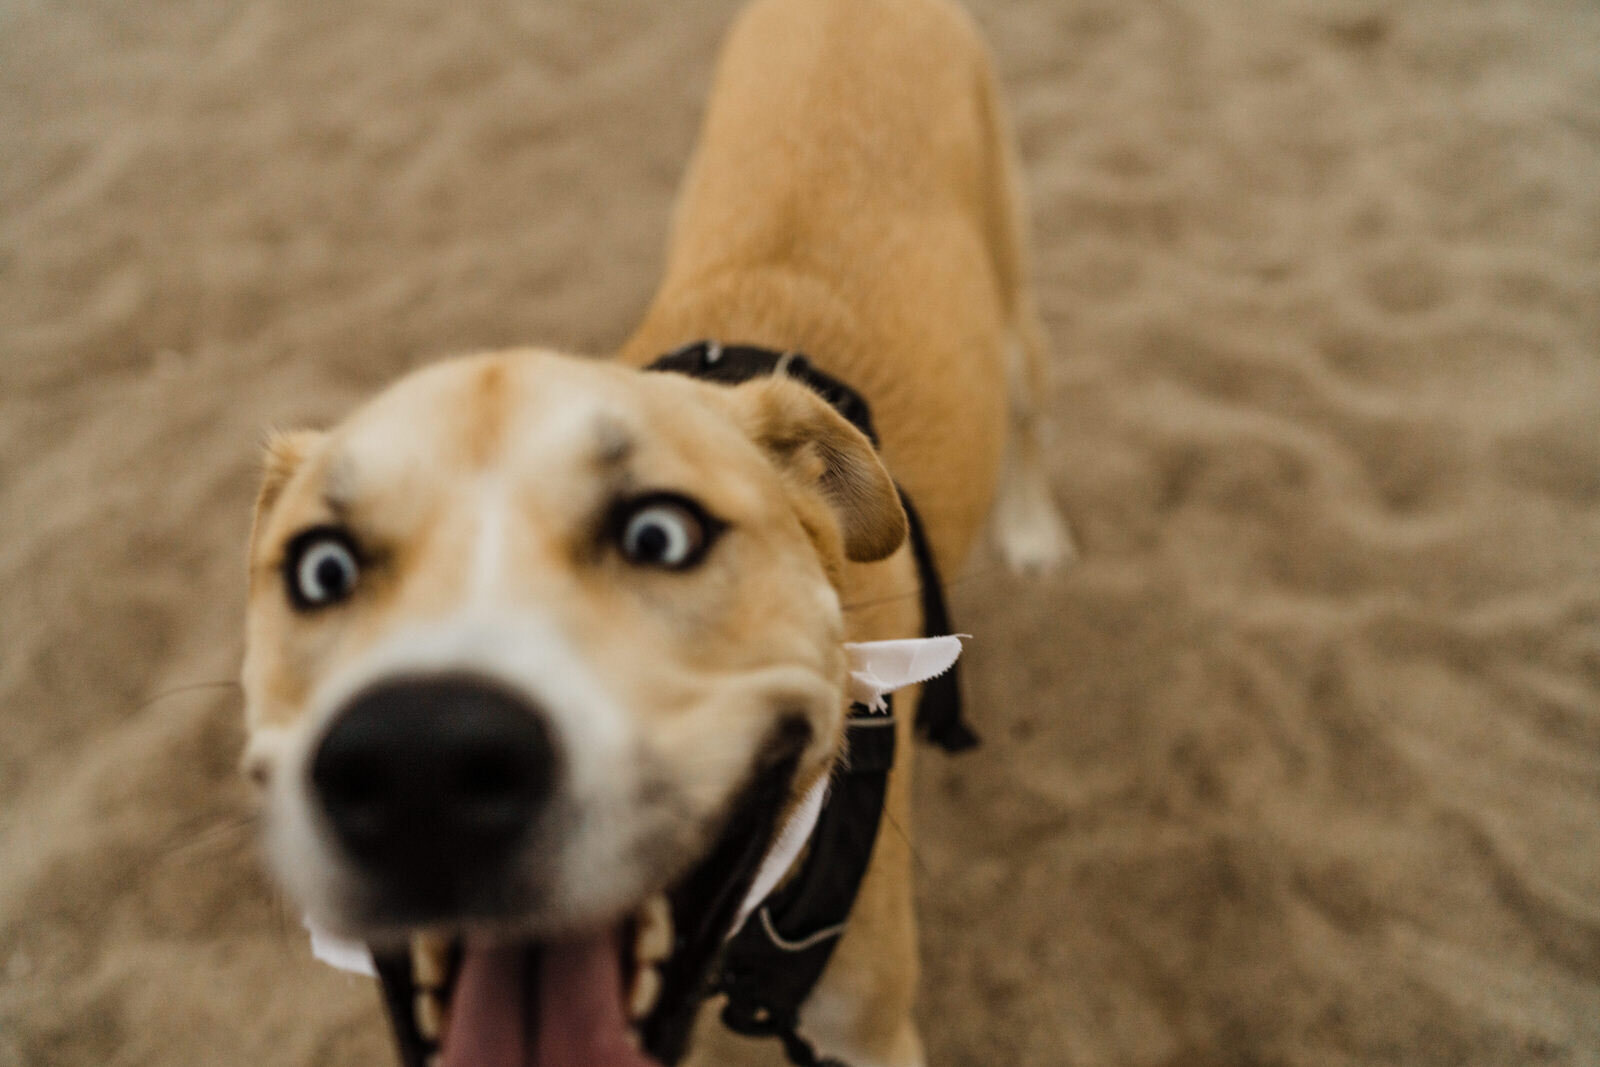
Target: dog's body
501	531
854	196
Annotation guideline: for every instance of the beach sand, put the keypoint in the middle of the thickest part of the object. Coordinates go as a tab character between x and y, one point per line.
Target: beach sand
1300	764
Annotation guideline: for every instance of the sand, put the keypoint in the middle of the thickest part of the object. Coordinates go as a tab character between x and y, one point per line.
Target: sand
1299	765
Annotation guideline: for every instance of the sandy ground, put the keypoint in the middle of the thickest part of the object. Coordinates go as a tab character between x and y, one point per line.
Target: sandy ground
1299	765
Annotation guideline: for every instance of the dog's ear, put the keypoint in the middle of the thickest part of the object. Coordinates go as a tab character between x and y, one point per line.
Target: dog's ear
814	444
284	452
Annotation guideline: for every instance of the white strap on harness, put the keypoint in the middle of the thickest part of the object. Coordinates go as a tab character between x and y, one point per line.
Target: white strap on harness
879	667
876	668
335	951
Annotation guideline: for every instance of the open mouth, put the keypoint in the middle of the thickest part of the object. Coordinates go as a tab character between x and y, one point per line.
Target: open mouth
582	999
625	995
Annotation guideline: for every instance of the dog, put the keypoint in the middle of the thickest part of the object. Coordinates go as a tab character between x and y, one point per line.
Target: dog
542	650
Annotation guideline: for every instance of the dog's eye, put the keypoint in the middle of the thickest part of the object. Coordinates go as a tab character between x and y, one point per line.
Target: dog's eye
664	533
320	568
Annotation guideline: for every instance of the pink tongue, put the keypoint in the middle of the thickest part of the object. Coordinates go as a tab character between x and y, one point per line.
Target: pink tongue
579	1021
580	1007
486	1012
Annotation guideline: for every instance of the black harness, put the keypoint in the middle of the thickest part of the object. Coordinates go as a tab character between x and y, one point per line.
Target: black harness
771	964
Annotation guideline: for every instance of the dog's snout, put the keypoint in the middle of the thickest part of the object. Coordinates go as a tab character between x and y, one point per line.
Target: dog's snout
437	776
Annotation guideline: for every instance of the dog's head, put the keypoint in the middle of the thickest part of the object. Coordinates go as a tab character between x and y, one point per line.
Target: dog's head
524	633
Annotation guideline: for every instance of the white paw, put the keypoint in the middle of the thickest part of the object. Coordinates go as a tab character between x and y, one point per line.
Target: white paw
1032	536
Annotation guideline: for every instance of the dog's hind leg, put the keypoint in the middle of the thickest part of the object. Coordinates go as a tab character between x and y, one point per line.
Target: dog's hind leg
1031	534
1028	528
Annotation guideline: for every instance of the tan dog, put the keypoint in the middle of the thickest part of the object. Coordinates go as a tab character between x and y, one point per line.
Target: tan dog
525	630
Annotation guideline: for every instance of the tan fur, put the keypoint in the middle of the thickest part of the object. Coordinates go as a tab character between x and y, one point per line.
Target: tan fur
849	197
852	196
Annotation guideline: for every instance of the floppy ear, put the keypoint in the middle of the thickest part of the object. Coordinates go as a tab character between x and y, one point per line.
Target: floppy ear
813	443
285	451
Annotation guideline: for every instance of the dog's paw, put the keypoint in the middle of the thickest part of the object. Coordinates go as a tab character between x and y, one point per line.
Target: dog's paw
1032	536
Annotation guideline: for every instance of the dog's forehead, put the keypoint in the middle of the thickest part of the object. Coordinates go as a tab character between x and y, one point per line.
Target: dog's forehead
535	414
472	412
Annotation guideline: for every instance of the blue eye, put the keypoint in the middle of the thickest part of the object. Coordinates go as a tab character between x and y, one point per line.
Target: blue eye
663	533
321	568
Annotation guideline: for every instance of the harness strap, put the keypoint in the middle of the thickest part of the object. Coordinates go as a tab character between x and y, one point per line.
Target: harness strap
939	718
772	963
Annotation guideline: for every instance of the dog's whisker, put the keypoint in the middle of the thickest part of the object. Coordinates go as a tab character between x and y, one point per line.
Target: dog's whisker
223	833
190	687
889	598
980	573
911	846
286	921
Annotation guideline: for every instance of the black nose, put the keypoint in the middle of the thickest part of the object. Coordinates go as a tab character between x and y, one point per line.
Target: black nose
434	777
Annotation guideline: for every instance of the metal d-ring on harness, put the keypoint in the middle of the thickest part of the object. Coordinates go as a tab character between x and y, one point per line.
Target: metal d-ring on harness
771	964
